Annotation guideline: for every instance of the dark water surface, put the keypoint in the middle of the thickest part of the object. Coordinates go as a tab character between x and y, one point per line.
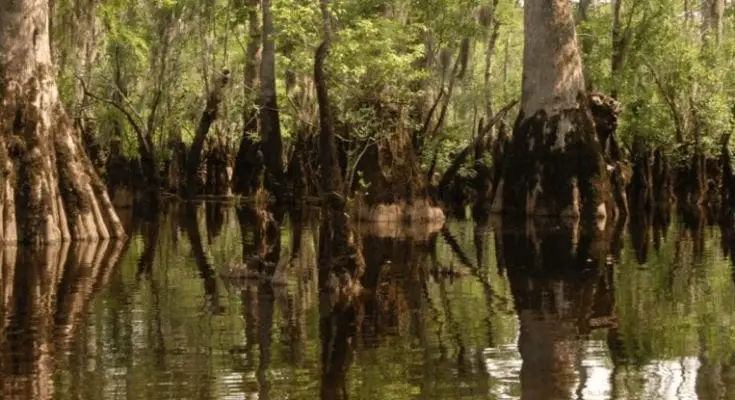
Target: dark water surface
539	311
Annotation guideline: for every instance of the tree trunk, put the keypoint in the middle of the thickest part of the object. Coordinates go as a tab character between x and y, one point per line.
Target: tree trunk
331	175
487	19
270	125
84	39
555	160
50	191
582	9
341	263
194	159
618	46
713	12
248	164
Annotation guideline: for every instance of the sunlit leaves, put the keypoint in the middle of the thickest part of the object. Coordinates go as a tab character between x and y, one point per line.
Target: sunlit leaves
669	79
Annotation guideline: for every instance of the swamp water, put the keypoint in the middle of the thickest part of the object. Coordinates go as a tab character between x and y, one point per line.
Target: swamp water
645	311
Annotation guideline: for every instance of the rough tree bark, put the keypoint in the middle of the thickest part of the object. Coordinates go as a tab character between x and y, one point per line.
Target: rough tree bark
555	160
50	191
76	50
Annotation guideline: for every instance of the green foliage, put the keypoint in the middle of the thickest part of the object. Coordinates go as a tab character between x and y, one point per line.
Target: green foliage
156	58
677	304
164	338
389	62
670	79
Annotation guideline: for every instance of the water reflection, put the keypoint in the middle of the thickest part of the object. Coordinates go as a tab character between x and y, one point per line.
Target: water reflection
539	310
562	289
46	295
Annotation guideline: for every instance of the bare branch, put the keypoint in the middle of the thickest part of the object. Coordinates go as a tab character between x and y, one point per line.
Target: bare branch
445	107
128	114
353	169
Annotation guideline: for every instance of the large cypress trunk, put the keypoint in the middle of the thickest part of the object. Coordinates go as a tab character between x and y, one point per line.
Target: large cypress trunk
49	189
555	161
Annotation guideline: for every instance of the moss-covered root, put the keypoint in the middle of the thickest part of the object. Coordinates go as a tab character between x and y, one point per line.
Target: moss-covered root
556	166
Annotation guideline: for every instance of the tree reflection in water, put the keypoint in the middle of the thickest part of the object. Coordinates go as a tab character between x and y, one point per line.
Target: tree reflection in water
562	288
495	310
46	294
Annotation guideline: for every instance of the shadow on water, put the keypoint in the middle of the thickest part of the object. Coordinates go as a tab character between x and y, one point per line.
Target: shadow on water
499	309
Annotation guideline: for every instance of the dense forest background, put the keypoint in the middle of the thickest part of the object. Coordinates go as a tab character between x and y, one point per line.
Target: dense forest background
139	78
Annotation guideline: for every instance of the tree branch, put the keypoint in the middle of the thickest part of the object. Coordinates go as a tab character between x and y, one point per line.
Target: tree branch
128	115
445	107
427	122
673	109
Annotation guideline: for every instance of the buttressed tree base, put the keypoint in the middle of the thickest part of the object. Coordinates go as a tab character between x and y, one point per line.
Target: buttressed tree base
50	191
555	160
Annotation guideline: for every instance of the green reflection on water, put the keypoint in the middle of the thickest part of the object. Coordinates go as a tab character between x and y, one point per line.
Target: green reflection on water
174	329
